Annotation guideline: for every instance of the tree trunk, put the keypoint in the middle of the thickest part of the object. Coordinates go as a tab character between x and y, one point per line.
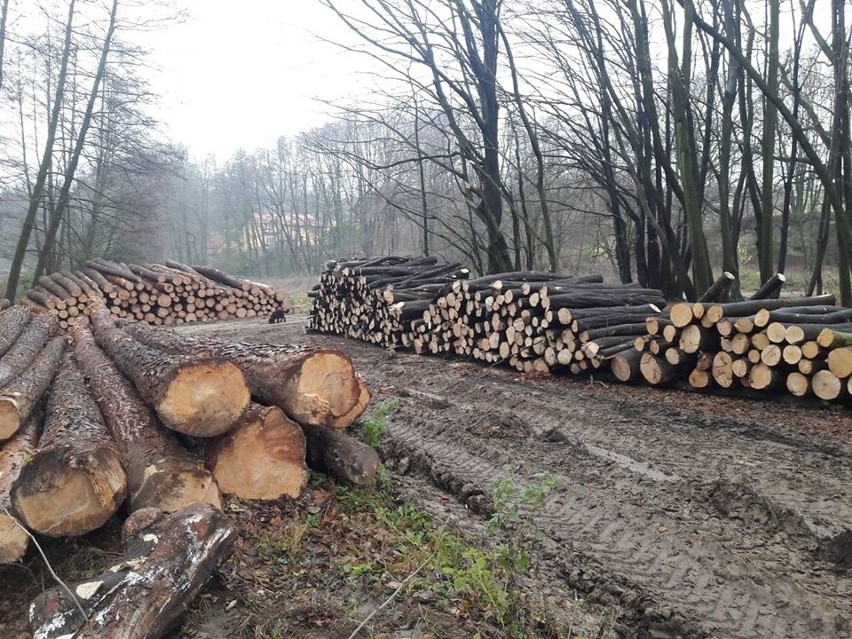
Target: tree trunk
13	456
343	457
167	560
12	323
263	457
313	386
161	473
75	481
28	345
18	399
44	166
200	396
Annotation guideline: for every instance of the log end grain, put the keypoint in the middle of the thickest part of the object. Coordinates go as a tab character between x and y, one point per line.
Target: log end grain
262	458
205	398
62	492
327	390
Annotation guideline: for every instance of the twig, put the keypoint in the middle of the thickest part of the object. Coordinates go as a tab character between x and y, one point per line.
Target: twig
47	563
395	592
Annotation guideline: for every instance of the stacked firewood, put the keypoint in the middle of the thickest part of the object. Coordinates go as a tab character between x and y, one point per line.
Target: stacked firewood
168	294
545	322
167	423
796	344
531	320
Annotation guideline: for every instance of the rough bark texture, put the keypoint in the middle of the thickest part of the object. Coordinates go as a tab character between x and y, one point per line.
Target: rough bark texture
168	558
75	481
313	386
161	473
19	397
335	453
194	394
13	456
12	323
262	458
29	344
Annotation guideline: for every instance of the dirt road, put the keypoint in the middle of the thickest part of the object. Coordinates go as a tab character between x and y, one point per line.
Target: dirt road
696	516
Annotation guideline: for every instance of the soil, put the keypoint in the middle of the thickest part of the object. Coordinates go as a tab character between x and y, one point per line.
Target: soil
675	514
692	515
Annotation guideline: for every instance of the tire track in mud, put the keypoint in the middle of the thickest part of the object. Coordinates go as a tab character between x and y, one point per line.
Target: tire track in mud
695	524
704	579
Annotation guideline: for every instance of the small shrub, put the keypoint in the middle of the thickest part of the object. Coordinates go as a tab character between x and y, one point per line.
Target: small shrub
376	424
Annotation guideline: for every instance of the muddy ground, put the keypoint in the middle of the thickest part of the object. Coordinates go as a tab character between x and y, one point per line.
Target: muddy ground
672	514
691	515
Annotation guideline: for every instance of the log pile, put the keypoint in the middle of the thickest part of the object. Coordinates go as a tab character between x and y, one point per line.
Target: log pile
531	320
793	345
544	322
167	294
166	424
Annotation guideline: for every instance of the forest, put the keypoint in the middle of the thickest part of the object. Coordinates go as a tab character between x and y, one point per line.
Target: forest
660	142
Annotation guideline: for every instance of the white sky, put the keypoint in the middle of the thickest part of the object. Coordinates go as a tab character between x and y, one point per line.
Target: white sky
240	74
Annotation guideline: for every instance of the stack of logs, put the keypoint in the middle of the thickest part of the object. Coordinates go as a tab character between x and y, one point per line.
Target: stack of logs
801	345
546	322
168	294
166	423
531	320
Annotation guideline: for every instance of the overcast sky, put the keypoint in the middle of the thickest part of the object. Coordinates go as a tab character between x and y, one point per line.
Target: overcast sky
239	74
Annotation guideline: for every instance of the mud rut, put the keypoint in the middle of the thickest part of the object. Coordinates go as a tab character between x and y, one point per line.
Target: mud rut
695	523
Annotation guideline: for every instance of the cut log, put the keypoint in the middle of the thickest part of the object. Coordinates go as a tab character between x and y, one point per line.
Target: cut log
45	299
341	456
167	560
798	384
696	338
161	473
13	456
313	386
840	361
19	397
13	321
222	278
657	370
75	481
750	307
771	288
28	345
719	289
263	457
763	377
826	385
681	314
195	395
829	338
723	373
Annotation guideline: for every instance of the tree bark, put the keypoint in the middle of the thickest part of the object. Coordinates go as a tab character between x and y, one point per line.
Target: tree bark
13	456
19	397
199	395
335	453
167	560
161	473
28	345
12	323
313	386
75	481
